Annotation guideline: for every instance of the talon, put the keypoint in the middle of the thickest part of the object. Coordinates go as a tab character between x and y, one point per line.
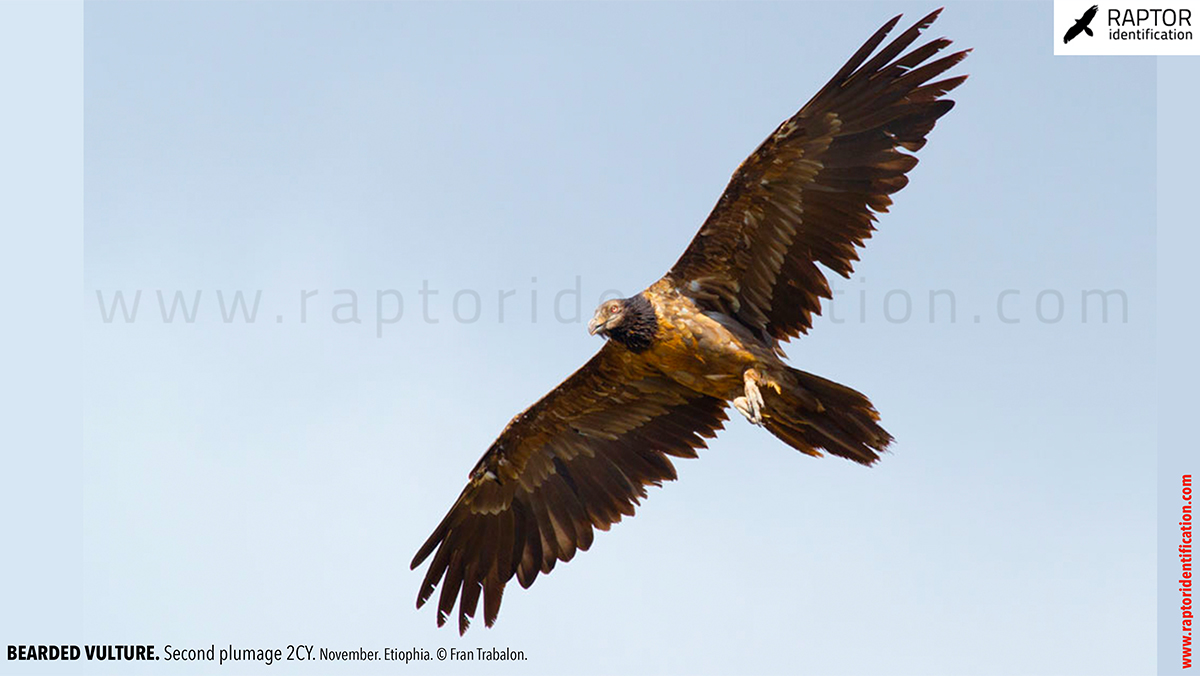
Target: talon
752	404
744	407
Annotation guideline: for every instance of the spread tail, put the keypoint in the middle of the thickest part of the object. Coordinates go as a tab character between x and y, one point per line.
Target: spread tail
811	413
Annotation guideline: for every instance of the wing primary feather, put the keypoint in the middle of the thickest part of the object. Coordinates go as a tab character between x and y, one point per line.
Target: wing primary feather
507	545
450	587
545	531
858	57
896	46
472	586
432	576
493	594
933	90
919	76
921	53
531	552
576	506
560	520
434	540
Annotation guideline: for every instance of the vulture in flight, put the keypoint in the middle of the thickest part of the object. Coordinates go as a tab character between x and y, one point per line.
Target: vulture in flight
704	336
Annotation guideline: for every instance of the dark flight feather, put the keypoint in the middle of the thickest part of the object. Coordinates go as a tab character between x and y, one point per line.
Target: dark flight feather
562	431
810	192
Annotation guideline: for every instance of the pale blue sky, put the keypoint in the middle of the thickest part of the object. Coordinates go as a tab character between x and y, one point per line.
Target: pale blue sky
267	483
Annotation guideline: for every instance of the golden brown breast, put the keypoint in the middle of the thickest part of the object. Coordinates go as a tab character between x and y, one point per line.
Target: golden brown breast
697	349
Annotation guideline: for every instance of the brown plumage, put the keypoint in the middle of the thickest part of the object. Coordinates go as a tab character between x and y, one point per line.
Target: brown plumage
705	335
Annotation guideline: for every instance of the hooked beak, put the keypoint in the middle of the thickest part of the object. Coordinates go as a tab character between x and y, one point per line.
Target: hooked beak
595	326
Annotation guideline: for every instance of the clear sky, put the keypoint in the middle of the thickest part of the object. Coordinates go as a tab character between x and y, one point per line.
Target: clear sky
267	482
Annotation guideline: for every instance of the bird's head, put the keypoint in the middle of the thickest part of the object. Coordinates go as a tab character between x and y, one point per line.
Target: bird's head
608	316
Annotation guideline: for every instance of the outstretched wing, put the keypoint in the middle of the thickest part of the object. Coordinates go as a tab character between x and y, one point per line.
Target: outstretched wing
576	460
810	192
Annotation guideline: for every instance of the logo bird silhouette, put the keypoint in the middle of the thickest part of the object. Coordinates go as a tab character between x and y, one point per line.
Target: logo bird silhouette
1081	26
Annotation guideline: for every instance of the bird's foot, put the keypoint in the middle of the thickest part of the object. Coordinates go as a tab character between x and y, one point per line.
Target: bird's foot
751	405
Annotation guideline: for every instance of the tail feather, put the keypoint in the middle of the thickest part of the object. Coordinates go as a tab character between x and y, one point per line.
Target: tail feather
811	414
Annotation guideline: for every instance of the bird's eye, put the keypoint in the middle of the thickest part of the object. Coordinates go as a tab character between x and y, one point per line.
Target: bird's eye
613	309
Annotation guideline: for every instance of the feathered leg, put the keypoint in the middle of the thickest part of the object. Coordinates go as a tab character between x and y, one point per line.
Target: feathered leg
751	405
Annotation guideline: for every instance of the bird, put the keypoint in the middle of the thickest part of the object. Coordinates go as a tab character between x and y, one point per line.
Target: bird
1081	26
705	336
